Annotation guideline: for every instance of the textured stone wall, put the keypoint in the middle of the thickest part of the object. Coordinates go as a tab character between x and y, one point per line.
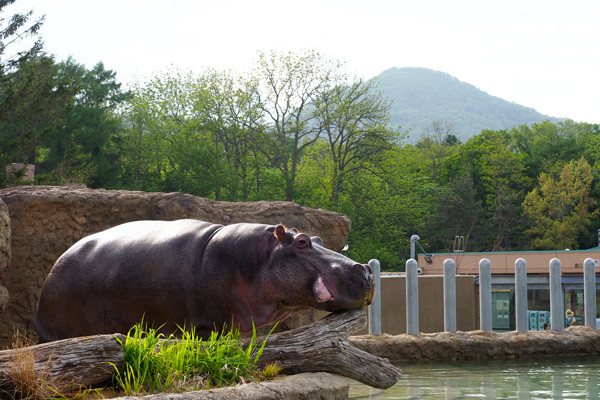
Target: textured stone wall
575	340
46	220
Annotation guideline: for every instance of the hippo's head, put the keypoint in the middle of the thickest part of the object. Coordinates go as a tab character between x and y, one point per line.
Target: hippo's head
301	272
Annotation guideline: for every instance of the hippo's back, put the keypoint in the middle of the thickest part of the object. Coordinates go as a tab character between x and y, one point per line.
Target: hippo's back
110	280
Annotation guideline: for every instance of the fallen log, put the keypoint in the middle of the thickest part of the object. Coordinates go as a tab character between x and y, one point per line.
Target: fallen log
319	347
323	347
64	364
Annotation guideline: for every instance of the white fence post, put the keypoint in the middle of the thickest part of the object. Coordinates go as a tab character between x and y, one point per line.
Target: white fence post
412	298
589	292
375	306
522	322
485	295
557	312
449	295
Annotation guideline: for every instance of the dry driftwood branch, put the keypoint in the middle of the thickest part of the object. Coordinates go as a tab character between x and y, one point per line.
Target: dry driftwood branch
320	347
323	347
76	362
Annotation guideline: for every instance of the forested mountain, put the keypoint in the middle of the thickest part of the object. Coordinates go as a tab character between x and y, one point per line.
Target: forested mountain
421	96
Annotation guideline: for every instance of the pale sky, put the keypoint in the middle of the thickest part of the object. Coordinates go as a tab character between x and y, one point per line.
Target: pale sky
543	54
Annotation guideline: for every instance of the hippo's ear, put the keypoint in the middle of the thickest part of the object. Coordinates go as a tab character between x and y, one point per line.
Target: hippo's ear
280	233
317	240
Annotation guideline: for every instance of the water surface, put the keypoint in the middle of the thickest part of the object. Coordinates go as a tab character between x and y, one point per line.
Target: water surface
536	378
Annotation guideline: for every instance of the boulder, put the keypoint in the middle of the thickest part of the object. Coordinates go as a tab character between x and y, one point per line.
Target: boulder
46	220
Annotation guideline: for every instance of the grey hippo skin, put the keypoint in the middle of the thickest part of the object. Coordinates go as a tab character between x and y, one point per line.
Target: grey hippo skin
194	273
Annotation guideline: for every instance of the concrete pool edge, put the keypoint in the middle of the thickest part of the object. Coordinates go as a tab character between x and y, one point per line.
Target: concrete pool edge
575	340
310	385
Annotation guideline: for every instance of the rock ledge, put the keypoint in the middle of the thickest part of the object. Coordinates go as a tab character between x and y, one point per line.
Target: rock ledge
575	340
306	386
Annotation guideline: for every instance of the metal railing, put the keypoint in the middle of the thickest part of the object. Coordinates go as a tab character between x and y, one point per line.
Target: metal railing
557	321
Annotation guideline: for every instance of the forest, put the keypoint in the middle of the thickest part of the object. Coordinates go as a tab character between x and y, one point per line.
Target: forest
297	128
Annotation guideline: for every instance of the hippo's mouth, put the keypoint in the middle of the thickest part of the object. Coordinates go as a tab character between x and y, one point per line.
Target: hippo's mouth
322	294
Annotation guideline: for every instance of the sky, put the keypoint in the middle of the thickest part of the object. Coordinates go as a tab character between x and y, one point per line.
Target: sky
543	54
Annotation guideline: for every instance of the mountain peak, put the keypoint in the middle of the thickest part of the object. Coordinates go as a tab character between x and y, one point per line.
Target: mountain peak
421	96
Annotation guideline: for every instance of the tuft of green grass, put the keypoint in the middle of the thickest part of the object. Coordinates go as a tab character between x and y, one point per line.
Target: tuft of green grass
155	363
271	370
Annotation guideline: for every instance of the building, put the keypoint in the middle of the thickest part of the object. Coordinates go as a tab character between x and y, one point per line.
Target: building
538	280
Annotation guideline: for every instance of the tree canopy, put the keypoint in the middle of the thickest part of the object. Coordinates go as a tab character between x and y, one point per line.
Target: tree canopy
297	129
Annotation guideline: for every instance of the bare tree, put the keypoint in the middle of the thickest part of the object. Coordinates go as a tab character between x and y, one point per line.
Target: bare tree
437	143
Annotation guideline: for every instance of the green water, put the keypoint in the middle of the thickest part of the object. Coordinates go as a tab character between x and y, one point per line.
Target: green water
539	378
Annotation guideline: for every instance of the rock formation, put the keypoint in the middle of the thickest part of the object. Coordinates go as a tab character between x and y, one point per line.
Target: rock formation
473	345
46	220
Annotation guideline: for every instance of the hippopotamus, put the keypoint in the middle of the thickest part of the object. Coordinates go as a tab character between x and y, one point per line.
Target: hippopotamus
190	273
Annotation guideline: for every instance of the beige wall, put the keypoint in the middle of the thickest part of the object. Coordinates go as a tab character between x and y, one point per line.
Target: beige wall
431	304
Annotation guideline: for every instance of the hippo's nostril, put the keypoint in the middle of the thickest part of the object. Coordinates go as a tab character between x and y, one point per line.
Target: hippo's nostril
366	268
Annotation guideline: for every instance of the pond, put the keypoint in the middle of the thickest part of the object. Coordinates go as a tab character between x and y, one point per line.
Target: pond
537	378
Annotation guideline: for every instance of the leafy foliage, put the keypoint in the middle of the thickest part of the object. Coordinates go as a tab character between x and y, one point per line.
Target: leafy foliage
288	86
14	30
351	119
561	209
83	147
298	129
34	100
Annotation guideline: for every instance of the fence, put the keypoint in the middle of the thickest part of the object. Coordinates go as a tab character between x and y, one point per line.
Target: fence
485	296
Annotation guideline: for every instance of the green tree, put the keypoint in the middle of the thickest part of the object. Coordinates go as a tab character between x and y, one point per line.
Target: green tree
287	85
386	200
352	119
34	100
87	139
560	209
547	145
167	146
230	108
14	30
387	205
499	184
142	152
313	186
198	134
456	211
437	143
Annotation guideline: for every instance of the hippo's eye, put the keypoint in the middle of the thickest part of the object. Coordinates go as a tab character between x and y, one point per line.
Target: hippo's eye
302	241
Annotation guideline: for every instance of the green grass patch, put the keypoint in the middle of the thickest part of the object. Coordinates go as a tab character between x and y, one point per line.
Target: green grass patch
155	363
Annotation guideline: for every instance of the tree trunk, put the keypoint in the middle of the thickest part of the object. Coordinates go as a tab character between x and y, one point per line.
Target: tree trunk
323	347
320	347
64	364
